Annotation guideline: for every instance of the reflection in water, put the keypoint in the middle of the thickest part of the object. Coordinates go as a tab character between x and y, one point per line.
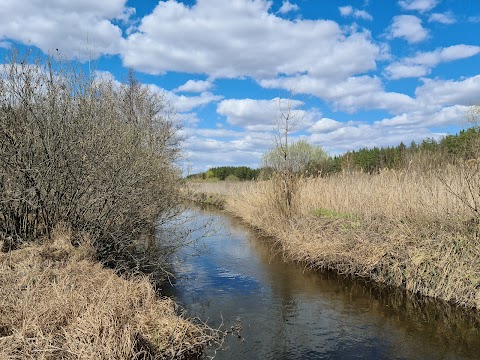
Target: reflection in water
288	313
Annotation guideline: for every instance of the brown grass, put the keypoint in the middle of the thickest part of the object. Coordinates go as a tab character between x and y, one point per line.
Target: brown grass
411	229
213	192
56	303
219	187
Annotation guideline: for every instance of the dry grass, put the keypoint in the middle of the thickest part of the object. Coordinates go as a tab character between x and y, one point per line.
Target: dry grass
219	187
214	192
56	303
412	229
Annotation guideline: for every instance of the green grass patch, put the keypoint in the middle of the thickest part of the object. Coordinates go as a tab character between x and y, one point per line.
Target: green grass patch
322	212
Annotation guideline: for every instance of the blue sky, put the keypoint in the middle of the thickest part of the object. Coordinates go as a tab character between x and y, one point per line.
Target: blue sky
359	73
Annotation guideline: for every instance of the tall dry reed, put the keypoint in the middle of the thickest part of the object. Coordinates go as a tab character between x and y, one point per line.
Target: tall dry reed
413	229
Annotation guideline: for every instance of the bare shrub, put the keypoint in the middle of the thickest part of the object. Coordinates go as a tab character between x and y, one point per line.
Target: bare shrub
84	151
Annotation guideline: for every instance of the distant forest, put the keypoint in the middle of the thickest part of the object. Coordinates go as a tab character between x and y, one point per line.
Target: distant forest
450	149
229	173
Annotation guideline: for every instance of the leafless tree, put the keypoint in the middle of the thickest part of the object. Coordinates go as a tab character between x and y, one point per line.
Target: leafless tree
287	118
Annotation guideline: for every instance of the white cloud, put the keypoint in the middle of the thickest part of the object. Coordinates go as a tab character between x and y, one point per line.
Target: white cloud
5	44
351	94
195	86
354	137
287	7
446	18
442	93
208	148
184	103
346	10
325	125
188	119
408	27
400	71
261	115
450	115
242	38
459	52
421	64
350	11
221	133
418	5
81	29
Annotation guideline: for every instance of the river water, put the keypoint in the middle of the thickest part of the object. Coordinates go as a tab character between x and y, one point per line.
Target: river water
282	311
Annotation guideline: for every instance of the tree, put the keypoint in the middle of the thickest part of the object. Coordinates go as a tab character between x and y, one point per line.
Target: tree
286	120
304	158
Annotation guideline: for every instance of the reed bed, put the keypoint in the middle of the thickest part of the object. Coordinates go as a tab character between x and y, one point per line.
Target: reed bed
214	192
57	303
219	187
413	229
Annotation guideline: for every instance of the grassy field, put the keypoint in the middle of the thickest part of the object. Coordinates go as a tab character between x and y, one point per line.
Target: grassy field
57	303
414	229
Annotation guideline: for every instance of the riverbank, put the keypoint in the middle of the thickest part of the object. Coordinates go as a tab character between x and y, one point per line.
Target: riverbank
415	230
213	192
57	302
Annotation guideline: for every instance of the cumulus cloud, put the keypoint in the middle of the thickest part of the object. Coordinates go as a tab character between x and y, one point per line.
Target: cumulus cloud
441	93
421	64
184	103
325	125
81	29
450	115
446	18
242	38
401	70
195	86
350	94
261	115
408	27
418	5
350	11
287	6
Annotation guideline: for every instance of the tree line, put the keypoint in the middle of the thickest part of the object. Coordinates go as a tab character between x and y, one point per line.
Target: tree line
229	173
312	160
449	149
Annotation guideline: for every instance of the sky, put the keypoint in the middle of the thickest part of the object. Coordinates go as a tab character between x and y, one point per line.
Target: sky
355	73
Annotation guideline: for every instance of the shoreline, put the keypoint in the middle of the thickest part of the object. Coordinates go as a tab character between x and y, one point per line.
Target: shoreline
429	258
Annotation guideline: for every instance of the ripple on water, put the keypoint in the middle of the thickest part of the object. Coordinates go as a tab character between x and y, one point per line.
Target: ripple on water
288	313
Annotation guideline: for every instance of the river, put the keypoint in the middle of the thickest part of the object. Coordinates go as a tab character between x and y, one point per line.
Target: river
281	311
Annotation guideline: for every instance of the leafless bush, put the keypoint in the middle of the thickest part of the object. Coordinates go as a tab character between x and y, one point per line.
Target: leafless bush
88	152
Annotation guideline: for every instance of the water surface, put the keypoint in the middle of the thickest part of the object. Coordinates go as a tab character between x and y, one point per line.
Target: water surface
286	312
